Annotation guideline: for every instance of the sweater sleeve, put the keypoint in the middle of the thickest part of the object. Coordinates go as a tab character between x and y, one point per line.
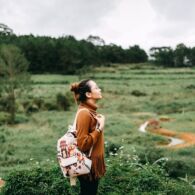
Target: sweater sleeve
85	140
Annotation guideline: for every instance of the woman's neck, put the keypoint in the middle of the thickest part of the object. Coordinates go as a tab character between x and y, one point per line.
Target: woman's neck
91	103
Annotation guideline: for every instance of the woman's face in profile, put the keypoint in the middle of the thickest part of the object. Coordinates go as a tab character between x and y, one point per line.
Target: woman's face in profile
95	91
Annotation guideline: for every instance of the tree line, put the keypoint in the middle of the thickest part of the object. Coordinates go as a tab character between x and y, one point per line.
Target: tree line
66	54
181	56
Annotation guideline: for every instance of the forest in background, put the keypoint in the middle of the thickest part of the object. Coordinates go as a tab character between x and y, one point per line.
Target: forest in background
67	55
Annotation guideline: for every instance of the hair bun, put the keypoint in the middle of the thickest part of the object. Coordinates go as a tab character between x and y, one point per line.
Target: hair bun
74	87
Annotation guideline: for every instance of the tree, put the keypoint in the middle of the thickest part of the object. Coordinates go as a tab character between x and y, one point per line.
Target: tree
162	56
13	75
5	30
136	55
181	54
96	40
192	57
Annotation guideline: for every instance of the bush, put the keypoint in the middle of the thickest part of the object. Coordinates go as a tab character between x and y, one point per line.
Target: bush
4	104
38	102
29	106
21	118
149	178
64	101
168	108
4	118
2	138
122	177
50	106
138	93
177	168
38	181
111	148
125	177
190	87
150	155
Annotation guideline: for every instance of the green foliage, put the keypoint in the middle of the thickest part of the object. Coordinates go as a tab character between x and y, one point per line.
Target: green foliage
33	142
150	155
13	75
66	55
64	101
4	117
173	107
138	93
181	54
4	104
122	177
163	56
38	181
191	87
111	148
177	168
36	104
21	118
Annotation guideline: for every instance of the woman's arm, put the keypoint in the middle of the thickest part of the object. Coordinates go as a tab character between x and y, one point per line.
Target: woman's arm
85	140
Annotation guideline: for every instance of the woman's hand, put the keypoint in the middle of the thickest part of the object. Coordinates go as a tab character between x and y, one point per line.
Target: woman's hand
100	121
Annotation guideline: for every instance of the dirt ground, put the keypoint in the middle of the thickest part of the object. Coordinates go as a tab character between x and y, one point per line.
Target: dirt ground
154	126
1	183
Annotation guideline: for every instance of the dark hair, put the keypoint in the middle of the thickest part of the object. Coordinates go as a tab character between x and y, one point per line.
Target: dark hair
80	90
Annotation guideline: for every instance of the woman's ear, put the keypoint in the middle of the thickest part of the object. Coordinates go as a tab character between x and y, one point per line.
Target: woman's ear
88	94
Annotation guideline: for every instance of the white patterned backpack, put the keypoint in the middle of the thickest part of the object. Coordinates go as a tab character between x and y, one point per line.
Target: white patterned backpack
72	161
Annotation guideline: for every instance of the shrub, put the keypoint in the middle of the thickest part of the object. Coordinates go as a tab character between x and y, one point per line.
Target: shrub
111	148
21	118
134	178
138	93
64	101
4	117
30	106
123	176
50	106
38	181
149	178
2	138
177	168
168	108
190	86
150	154
4	104
38	102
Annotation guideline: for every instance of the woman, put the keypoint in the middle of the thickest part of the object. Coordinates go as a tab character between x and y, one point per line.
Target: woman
90	127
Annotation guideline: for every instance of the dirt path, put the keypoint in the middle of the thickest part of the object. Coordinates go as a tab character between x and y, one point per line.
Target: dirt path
182	139
1	182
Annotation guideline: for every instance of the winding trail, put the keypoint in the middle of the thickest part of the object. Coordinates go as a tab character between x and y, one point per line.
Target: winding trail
177	140
1	182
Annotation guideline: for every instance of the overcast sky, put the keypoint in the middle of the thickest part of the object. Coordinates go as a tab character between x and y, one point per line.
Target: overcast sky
147	23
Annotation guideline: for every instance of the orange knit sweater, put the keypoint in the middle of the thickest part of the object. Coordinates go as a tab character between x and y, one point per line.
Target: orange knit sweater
87	137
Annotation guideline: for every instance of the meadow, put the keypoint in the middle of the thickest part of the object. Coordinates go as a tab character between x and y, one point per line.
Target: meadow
132	94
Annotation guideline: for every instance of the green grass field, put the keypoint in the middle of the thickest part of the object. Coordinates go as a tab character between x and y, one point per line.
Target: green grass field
131	95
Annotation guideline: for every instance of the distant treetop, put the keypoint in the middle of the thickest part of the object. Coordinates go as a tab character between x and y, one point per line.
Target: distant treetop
5	30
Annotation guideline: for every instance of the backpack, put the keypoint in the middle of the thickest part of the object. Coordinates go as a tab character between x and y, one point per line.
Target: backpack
72	161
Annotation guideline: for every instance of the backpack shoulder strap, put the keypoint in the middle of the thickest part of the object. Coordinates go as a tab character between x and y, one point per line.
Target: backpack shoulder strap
75	120
74	126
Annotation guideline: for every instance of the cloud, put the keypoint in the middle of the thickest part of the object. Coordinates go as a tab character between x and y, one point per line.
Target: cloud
124	22
128	24
54	17
175	18
174	10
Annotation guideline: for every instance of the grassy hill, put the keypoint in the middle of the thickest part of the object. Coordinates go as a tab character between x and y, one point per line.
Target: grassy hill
132	95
